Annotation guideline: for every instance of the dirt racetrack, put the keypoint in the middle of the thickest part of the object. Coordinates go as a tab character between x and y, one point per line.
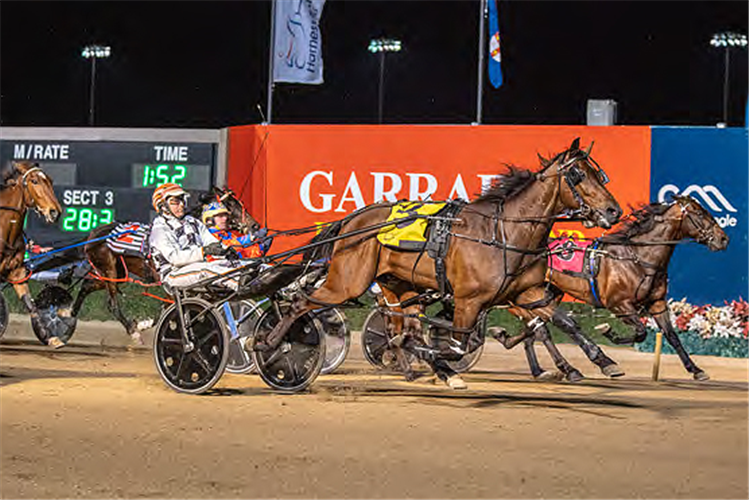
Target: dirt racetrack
96	422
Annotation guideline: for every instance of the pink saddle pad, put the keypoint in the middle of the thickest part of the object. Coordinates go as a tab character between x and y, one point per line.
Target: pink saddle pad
569	254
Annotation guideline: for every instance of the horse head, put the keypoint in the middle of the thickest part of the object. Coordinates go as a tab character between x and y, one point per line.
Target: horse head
583	190
36	188
697	223
239	218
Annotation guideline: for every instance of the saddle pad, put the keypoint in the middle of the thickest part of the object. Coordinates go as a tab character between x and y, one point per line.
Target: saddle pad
408	235
569	256
130	238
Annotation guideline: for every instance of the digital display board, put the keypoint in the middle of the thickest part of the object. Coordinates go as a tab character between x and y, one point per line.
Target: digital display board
98	182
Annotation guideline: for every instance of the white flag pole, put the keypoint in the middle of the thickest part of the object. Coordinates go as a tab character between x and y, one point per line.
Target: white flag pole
482	43
271	59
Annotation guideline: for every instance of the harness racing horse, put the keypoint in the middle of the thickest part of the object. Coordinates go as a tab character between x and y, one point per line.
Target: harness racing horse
633	275
495	255
109	268
25	185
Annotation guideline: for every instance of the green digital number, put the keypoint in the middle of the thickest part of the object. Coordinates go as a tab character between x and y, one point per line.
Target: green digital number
163	173
68	222
107	216
179	174
85	219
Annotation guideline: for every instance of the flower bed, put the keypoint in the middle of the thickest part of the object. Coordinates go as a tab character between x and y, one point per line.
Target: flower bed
707	330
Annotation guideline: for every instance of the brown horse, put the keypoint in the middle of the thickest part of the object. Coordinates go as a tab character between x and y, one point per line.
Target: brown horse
495	255
633	276
25	185
110	269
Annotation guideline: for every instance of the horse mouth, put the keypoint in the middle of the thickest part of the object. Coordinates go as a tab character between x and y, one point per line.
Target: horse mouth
51	215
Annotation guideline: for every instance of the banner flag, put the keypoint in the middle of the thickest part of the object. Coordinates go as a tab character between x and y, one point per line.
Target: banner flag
297	47
495	56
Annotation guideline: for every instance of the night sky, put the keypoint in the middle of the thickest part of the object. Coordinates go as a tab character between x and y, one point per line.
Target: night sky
205	64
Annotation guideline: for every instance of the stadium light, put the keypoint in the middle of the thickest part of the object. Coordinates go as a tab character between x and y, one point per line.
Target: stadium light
382	46
726	40
94	52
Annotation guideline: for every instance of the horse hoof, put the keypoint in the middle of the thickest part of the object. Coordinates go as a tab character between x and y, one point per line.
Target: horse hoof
701	376
547	376
55	343
612	370
456	383
574	376
144	324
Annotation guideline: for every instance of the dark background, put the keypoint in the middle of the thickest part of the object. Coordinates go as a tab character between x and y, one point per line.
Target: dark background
205	64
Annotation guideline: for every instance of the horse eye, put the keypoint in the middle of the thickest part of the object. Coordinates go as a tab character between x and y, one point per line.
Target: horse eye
34	181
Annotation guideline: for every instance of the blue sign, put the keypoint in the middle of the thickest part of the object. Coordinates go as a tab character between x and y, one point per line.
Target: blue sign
712	166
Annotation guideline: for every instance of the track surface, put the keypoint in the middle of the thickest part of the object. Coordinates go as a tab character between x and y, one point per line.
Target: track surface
92	421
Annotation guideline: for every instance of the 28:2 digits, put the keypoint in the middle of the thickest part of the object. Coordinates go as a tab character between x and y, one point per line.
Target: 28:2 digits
85	218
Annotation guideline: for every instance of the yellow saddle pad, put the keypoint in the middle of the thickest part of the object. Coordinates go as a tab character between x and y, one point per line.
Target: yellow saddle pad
408	235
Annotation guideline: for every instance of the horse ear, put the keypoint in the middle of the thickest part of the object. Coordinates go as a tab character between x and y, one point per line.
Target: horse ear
543	160
575	144
587	151
7	172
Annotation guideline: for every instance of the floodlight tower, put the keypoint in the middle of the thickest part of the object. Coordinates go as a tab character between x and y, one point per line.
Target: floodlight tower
726	40
382	46
94	52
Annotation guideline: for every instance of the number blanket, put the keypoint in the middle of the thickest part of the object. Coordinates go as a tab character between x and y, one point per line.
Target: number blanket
410	234
569	256
130	239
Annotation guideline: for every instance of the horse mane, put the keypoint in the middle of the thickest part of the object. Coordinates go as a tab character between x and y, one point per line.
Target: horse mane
516	180
509	185
640	221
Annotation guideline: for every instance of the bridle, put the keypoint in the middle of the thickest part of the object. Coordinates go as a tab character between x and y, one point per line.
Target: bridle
24	186
573	176
704	235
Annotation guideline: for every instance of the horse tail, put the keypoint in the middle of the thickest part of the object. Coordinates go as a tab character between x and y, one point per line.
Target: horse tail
323	249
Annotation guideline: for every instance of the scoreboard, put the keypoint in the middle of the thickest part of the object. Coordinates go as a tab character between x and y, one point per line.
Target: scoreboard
102	181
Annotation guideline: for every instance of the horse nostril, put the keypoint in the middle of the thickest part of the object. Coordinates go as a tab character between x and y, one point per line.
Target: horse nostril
54	214
613	213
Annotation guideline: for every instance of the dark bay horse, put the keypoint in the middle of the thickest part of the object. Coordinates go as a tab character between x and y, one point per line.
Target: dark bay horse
495	255
633	275
25	186
110	269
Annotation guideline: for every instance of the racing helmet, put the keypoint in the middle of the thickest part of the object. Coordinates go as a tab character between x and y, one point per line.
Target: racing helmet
211	210
166	190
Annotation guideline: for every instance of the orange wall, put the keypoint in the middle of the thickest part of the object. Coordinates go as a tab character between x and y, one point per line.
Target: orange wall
297	175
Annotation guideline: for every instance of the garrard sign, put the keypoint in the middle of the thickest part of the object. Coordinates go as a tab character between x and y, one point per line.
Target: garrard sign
317	192
709	196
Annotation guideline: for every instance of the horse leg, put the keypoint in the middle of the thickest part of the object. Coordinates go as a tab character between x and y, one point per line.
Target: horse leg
571	373
530	353
466	314
399	333
568	325
24	294
627	313
114	308
663	318
89	286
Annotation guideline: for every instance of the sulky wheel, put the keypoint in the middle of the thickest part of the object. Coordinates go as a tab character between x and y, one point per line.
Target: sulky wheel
55	306
4	314
374	342
337	338
374	338
197	370
298	359
246	313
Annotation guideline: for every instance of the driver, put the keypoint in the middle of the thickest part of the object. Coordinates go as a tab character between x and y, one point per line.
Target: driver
216	217
180	244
